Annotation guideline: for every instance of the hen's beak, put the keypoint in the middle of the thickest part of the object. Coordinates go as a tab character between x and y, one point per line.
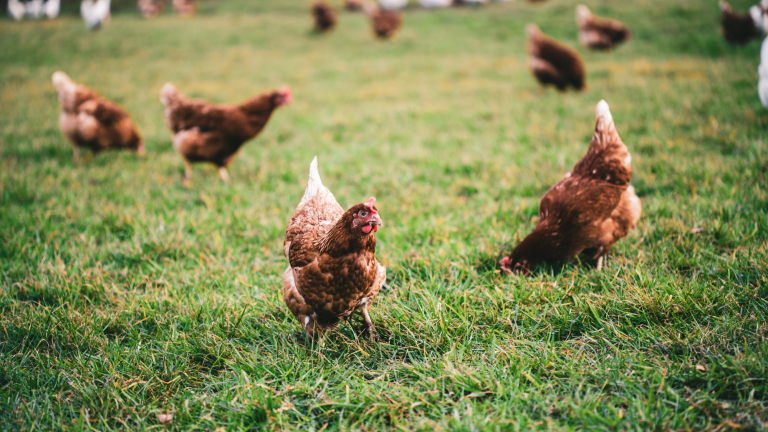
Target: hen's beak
377	220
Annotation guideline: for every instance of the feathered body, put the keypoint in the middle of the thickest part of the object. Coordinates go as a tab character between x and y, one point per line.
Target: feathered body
738	28
90	121
589	210
553	62
185	8
151	8
353	5
384	22
95	13
600	33
331	253
16	9
762	71
324	16
435	4
393	4
34	9
206	132
52	8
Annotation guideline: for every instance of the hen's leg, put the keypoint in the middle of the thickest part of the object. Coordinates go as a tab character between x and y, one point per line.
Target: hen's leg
368	331
187	180
223	174
76	154
599	263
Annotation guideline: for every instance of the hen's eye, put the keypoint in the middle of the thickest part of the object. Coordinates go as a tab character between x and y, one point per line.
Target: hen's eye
363	213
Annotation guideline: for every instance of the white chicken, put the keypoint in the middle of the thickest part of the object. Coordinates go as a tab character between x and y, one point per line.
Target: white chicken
33	9
17	9
51	8
762	71
435	4
393	4
95	13
757	13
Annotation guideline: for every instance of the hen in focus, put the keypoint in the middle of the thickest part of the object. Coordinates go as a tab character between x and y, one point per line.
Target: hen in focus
332	268
90	121
324	16
384	22
599	33
589	210
738	28
555	63
206	132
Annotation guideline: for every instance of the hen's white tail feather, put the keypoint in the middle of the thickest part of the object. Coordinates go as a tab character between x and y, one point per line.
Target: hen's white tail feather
167	93
605	129
62	82
582	14
314	185
603	111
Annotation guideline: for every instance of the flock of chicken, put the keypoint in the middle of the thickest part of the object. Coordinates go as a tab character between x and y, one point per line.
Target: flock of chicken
332	269
95	13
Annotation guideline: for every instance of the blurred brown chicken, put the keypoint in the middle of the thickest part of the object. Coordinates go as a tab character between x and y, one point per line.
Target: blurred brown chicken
599	33
185	8
353	5
738	28
589	210
206	132
553	62
151	8
384	23
332	268
324	15
90	121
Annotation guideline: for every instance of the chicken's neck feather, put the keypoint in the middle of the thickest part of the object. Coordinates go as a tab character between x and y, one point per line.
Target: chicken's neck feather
342	239
262	104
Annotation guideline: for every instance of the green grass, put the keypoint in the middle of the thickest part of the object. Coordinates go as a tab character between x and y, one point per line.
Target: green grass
124	295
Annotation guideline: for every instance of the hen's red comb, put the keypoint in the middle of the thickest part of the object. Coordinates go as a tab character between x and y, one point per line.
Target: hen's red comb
370	202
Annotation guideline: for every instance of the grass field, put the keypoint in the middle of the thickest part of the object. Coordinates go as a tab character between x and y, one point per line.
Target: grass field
124	295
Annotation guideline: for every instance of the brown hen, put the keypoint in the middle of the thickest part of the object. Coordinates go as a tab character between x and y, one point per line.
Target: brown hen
332	268
324	15
353	5
185	8
600	33
738	28
384	23
553	62
206	132
589	210
151	8
90	121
